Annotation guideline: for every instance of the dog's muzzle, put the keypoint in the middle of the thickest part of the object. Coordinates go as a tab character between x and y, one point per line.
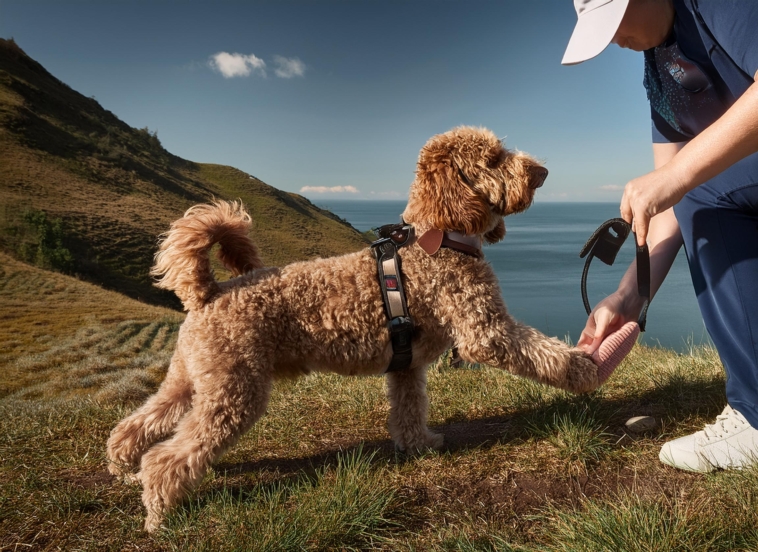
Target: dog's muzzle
538	176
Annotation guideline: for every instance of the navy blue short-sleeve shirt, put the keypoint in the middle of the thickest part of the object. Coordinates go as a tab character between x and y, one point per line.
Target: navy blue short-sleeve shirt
708	62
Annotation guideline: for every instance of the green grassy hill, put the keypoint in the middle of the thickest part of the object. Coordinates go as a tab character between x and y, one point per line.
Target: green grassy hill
84	193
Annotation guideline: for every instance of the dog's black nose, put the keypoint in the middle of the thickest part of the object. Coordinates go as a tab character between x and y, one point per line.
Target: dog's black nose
539	174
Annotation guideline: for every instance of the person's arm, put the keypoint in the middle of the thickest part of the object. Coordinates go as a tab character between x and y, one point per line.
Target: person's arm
731	138
664	241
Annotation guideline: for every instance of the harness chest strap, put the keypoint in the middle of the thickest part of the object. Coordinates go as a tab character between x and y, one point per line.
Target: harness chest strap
395	306
395	297
390	279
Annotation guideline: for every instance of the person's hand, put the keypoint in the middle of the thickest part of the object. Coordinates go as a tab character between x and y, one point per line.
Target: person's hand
649	195
607	317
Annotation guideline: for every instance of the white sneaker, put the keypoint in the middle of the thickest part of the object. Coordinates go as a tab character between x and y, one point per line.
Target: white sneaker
729	443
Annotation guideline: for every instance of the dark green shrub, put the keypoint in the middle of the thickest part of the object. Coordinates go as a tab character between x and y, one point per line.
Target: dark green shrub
46	249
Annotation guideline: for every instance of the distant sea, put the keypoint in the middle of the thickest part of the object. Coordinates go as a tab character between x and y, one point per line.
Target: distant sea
539	269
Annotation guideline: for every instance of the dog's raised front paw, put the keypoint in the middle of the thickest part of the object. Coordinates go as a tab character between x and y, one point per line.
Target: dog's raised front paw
124	448
581	375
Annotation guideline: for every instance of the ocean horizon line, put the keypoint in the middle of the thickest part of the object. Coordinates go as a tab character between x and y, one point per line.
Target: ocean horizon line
388	200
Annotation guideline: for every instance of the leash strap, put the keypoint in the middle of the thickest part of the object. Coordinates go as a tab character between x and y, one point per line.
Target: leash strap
605	244
392	237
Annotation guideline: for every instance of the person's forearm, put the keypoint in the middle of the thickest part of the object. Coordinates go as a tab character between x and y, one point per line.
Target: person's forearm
731	138
664	240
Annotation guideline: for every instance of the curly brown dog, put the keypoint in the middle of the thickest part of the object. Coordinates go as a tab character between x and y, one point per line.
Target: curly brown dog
329	315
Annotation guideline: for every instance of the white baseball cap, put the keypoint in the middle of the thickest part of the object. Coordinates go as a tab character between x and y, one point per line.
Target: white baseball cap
597	23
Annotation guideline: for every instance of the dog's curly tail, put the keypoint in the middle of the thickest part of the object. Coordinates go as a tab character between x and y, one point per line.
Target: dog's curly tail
182	263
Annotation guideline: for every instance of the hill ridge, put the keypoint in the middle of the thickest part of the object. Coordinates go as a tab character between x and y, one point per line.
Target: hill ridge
74	178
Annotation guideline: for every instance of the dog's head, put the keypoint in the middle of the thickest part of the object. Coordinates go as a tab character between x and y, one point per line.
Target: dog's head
466	181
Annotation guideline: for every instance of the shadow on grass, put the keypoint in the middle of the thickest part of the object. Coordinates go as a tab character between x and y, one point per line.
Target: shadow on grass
676	399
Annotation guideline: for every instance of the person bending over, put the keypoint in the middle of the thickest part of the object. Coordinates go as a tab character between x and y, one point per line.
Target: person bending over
701	61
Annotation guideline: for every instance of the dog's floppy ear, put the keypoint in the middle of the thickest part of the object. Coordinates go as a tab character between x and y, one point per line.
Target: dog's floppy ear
441	196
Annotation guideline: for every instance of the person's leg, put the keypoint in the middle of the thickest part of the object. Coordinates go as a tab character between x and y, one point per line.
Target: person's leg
719	223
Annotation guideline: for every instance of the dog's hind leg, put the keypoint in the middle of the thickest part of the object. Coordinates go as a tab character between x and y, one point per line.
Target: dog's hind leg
409	407
227	402
152	422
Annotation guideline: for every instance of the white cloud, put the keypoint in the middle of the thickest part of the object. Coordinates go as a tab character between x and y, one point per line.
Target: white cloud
332	190
237	65
289	67
612	187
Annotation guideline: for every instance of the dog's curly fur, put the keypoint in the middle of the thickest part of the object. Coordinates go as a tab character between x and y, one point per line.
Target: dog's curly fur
328	315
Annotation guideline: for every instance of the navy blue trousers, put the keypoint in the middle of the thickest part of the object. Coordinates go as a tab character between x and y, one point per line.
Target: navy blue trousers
719	223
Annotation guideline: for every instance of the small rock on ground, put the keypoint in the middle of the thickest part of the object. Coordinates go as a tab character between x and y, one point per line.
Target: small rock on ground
640	424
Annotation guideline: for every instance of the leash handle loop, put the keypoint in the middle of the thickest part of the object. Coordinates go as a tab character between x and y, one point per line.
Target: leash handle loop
605	245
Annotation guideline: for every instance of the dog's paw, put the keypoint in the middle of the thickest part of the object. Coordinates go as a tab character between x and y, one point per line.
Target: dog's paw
123	472
123	450
153	522
131	478
156	496
422	443
115	469
582	373
435	440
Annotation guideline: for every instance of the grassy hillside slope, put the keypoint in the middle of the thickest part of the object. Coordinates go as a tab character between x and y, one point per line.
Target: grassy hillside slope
82	192
61	337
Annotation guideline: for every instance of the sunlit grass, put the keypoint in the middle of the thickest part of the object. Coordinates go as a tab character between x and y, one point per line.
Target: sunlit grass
348	505
578	437
525	467
633	524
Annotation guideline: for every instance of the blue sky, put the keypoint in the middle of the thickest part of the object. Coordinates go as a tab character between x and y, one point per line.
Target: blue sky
342	94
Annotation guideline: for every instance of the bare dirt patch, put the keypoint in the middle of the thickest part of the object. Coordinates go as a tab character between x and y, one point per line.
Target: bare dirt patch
86	480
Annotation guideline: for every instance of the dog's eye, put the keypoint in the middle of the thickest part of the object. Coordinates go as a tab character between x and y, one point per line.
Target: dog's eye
498	159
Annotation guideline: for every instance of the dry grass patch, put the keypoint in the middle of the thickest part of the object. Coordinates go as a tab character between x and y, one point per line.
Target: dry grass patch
62	337
39	308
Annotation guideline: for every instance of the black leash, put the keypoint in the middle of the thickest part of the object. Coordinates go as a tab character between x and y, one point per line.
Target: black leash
392	237
605	245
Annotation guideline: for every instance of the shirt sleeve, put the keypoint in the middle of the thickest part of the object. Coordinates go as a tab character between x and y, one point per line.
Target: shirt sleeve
664	133
734	25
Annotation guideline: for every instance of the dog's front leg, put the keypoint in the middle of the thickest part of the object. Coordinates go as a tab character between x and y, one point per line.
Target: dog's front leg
489	335
409	408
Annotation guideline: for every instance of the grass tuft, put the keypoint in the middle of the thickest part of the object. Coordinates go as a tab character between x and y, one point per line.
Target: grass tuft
579	439
634	524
